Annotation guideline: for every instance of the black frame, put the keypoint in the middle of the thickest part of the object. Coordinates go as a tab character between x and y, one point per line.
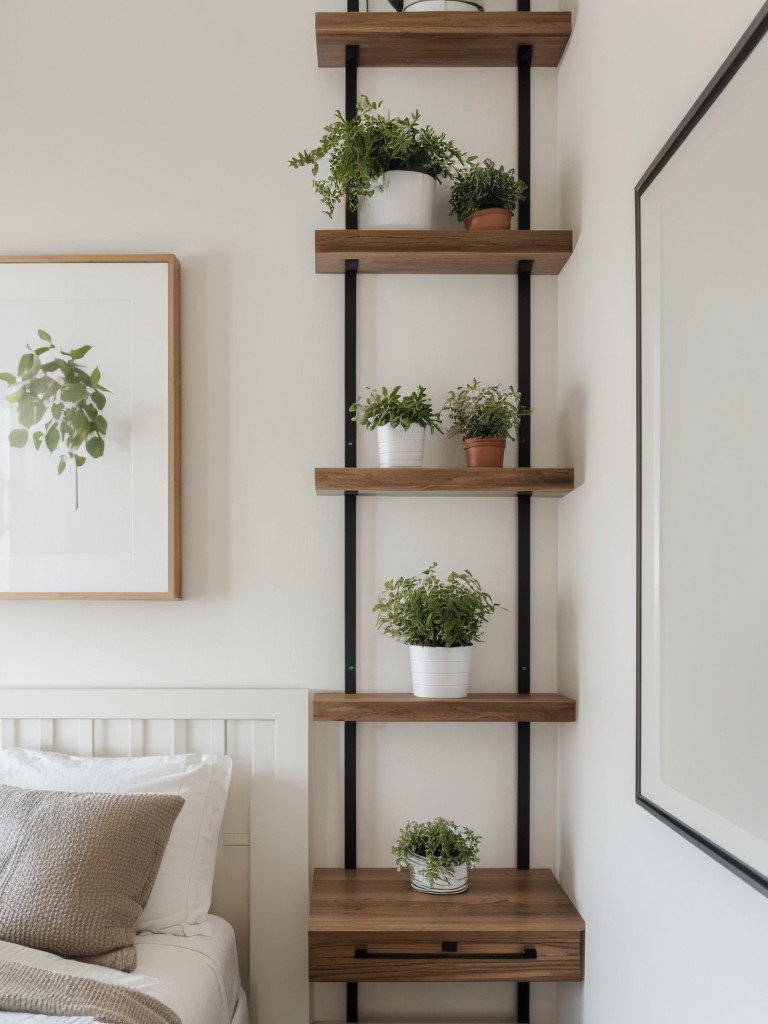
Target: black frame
740	53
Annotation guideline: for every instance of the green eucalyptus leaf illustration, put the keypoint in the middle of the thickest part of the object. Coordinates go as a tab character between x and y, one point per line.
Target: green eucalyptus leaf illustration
78	353
68	396
18	438
95	447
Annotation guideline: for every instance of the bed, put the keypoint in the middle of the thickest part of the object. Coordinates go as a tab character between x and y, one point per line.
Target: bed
259	900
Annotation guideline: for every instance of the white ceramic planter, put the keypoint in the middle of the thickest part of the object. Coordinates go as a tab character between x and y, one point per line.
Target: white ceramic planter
444	5
440	671
458	882
405	202
400	446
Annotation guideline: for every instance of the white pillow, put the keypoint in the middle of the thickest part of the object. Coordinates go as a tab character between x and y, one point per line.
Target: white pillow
181	895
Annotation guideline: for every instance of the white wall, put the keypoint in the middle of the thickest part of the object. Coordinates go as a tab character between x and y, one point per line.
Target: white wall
140	126
671	936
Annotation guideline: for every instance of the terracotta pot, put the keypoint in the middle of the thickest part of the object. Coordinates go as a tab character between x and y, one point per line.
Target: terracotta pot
491	218
485	451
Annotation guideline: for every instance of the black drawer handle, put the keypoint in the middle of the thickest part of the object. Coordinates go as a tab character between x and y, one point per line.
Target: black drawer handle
527	954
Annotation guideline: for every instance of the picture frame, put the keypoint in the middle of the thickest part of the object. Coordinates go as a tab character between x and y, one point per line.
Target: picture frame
702	546
86	514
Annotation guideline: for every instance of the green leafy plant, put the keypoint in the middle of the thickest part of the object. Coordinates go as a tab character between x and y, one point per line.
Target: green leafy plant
490	411
361	149
389	408
483	185
442	843
52	388
425	611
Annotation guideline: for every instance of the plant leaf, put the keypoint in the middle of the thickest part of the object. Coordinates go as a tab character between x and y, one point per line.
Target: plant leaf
43	335
18	438
26	364
73	392
95	447
31	410
78	353
8	378
79	460
62	465
96	376
52	438
98	399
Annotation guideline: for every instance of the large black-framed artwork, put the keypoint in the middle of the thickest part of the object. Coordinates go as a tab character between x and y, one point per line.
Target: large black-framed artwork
701	214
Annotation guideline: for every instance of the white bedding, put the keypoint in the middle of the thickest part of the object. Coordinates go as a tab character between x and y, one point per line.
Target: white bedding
197	976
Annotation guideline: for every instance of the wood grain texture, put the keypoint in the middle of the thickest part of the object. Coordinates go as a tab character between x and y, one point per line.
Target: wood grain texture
477	707
365	925
442	252
447	39
545	483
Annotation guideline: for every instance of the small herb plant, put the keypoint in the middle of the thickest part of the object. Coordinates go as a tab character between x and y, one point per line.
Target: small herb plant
427	612
478	411
52	388
362	149
442	843
483	185
389	408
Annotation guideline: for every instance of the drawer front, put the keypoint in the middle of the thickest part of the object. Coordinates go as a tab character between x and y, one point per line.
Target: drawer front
345	959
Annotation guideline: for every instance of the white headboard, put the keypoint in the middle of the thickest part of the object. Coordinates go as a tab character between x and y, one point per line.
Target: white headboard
262	876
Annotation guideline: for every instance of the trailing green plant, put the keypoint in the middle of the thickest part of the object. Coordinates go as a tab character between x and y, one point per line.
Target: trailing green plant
483	185
427	612
442	843
389	408
52	388
361	149
484	411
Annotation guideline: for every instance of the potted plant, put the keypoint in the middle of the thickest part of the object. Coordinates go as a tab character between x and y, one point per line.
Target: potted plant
390	162
53	388
438	5
485	196
484	416
400	422
439	622
438	854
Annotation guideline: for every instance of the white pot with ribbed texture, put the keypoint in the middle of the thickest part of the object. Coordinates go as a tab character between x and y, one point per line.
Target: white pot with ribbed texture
404	202
444	5
440	671
400	446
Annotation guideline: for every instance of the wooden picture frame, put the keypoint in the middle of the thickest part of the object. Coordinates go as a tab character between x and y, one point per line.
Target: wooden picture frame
107	527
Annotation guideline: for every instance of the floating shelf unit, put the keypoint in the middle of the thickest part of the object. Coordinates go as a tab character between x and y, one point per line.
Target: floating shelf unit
442	252
367	924
544	483
442	40
476	707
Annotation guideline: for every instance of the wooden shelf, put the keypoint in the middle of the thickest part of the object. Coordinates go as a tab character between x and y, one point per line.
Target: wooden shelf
442	39
442	252
369	925
544	483
477	707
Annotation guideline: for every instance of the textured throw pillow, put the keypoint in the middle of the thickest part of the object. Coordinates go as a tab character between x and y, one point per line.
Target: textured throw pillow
181	895
76	869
